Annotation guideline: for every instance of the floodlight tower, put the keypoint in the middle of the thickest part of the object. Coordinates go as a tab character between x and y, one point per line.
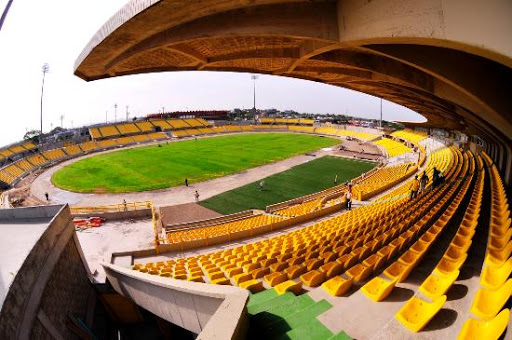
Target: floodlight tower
115	113
380	123
45	69
254	77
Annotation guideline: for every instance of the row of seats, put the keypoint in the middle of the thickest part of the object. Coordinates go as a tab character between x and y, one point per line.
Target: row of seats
304	121
114	130
16	149
490	318
382	179
393	148
300	209
410	135
278	261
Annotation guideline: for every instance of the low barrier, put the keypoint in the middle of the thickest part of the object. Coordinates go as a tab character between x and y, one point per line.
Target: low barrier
121	207
211	221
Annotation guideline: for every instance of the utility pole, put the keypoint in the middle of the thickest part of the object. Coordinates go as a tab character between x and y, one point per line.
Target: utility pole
46	69
106	117
61	121
126	112
115	113
4	14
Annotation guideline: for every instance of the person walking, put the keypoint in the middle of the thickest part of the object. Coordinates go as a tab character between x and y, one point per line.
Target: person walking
336	179
196	195
415	185
423	182
186	182
261	185
125	205
47	197
348	196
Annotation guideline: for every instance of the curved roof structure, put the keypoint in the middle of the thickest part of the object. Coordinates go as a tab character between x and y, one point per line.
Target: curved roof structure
447	60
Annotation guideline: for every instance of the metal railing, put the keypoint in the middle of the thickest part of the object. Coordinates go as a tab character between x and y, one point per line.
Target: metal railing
125	206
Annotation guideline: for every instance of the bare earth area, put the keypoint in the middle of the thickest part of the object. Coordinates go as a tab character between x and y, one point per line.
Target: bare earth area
185	213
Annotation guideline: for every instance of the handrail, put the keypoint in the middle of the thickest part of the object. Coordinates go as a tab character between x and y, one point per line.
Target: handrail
125	206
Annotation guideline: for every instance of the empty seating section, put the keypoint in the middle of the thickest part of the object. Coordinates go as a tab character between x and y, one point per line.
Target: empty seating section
205	130
25	165
410	135
393	148
124	141
37	159
382	179
192	122
247	128
186	132
326	130
300	209
109	131
140	138
106	143
95	133
163	124
489	318
17	149
6	177
295	128
204	234
54	154
145	126
157	136
88	146
178	123
232	128
267	120
72	149
128	128
29	145
203	122
356	134
14	170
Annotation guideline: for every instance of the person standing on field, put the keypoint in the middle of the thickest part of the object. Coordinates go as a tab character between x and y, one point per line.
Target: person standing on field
196	195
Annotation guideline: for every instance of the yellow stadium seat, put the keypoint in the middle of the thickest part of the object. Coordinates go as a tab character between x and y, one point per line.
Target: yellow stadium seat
221	281
254	286
332	269
274	279
446	266
242	278
359	272
260	272
494	277
498	257
488	303
289	286
416	313
234	271
313	264
347	260
214	276
378	289
398	271
434	286
295	271
313	278
485	330
195	279
337	286
280	266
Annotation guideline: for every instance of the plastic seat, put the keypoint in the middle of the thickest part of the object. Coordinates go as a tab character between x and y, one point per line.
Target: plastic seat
378	289
275	278
493	277
279	266
234	271
332	269
485	330
454	253
239	278
416	313
337	286
254	286
409	258
488	303
295	271
359	272
257	273
446	266
313	278
289	286
347	261
195	279
222	281
398	271
434	286
313	264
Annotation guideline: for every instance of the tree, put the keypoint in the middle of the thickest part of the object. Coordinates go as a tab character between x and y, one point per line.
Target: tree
32	135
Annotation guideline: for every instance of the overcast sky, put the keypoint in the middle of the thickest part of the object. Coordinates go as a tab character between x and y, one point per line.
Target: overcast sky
55	32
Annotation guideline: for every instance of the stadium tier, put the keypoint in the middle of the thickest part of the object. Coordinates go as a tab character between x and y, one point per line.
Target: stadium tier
106	143
95	133
109	131
145	126
392	147
128	129
157	136
54	154
141	138
300	209
164	125
410	135
124	141
88	146
73	149
297	128
186	132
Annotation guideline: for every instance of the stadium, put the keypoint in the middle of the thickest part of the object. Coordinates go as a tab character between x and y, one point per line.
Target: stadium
186	225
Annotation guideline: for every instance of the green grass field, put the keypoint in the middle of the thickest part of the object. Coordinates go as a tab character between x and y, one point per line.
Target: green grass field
153	167
300	180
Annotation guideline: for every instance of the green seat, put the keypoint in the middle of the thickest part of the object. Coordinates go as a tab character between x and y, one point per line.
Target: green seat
485	330
416	313
488	303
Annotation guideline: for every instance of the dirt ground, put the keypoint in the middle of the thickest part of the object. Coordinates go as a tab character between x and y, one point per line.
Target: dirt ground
185	213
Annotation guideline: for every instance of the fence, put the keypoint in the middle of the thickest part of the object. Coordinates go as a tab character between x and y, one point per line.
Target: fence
101	209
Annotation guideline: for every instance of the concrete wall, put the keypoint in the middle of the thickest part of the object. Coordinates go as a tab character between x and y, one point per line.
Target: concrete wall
119	215
51	283
212	311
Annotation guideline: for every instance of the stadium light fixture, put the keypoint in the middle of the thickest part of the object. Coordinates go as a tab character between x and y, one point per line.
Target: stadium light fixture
45	69
254	77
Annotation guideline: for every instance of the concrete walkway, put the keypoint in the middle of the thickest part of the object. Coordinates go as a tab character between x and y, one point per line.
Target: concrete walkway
170	196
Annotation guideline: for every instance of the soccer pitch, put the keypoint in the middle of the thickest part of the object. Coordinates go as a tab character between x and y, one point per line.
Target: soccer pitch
153	167
300	180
